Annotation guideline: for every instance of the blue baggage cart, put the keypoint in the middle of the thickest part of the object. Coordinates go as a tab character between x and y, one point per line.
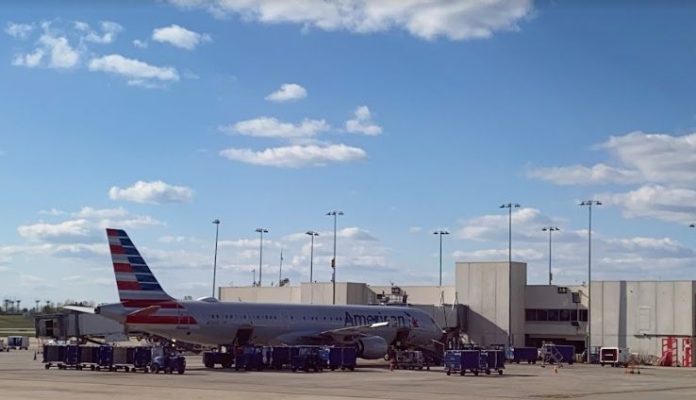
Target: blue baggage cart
528	354
249	358
106	357
495	361
53	355
89	357
280	357
72	357
120	359
349	358
142	356
332	357
306	358
474	361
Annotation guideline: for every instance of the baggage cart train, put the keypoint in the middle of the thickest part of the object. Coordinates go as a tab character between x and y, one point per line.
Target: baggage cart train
112	358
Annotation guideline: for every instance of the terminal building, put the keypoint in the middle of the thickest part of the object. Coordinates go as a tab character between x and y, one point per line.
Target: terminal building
491	303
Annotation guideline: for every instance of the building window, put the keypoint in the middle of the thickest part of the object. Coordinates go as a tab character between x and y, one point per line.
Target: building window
530	314
565	315
553	315
583	315
573	315
542	315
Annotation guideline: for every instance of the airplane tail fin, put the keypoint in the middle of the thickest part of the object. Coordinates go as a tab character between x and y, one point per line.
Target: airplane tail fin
137	285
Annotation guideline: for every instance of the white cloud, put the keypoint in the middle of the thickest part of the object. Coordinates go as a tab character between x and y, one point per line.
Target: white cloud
495	226
296	156
29	60
362	123
90	212
662	164
138	72
152	192
109	31
62	55
40	231
19	31
656	201
179	37
141	44
53	211
287	92
177	239
582	175
614	257
427	19
355	233
59	54
269	127
415	229
644	158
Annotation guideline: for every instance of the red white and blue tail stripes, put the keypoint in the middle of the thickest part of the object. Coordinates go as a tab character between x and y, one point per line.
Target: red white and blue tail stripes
138	289
134	279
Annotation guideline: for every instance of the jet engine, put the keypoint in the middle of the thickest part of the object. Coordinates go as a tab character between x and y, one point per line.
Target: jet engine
372	347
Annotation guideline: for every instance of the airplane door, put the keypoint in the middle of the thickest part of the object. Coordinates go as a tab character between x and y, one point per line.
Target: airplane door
183	318
284	319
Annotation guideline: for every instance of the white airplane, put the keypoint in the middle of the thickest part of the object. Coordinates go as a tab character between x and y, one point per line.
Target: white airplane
146	307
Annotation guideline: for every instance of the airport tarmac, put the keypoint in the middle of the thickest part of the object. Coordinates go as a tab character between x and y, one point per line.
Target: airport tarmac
23	378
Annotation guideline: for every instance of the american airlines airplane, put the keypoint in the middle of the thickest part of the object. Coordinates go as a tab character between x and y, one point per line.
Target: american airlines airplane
146	307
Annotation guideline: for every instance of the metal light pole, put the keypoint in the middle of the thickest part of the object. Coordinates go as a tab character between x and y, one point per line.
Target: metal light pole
311	265
510	206
280	267
550	229
440	233
335	214
311	254
217	230
261	231
589	204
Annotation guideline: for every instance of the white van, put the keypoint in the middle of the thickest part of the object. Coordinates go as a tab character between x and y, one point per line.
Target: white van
614	356
18	342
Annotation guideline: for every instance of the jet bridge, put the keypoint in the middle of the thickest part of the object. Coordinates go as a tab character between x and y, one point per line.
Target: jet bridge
73	324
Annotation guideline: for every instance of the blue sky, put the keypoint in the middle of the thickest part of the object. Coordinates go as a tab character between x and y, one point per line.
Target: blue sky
408	116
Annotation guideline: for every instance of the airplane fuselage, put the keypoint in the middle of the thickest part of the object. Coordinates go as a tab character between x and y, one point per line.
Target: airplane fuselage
212	323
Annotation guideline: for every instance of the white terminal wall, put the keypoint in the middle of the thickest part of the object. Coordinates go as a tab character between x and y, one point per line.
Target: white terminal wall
639	314
495	294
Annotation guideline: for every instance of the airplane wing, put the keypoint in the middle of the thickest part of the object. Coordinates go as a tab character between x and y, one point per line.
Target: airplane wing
361	330
86	310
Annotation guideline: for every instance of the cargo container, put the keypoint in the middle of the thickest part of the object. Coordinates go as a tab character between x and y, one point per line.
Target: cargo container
525	354
474	361
89	357
213	358
53	355
349	358
248	358
306	358
495	361
106	357
142	357
280	357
